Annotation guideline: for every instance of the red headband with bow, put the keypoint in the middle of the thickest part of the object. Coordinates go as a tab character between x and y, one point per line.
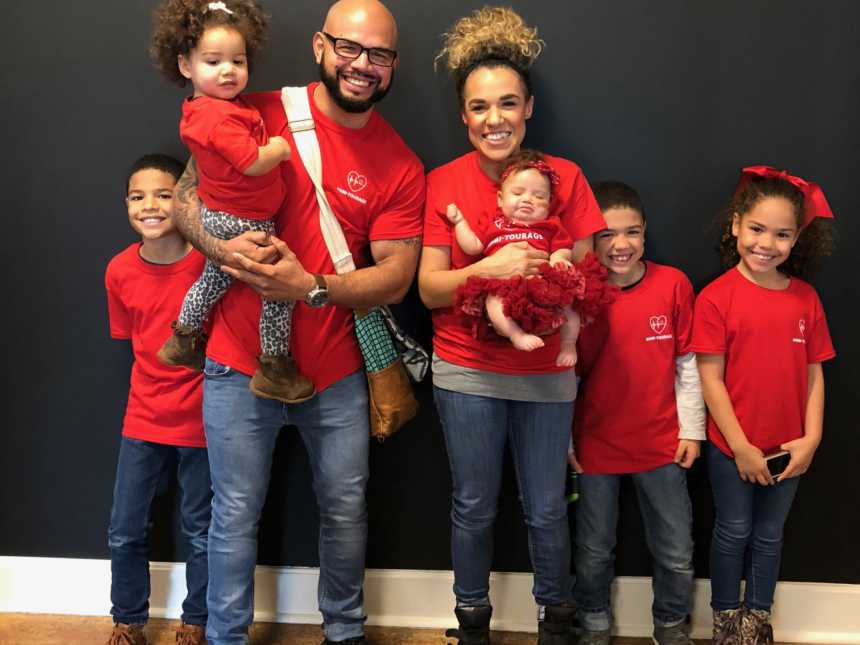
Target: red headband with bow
538	164
814	202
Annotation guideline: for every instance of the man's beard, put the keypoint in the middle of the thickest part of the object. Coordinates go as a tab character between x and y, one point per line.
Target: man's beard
344	102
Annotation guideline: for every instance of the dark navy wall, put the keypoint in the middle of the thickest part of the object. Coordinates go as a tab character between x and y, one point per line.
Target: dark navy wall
672	97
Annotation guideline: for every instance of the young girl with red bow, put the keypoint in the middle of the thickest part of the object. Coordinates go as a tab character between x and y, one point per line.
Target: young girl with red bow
760	335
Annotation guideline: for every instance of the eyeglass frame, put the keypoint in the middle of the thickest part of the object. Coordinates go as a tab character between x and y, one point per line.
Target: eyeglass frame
370	50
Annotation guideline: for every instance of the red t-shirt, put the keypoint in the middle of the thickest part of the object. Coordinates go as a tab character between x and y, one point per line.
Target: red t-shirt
625	419
164	403
462	182
547	235
224	137
768	338
375	185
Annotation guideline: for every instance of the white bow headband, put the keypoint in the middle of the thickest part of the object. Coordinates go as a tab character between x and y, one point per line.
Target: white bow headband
218	6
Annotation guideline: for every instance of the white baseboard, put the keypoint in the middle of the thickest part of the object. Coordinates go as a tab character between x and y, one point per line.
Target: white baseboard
803	612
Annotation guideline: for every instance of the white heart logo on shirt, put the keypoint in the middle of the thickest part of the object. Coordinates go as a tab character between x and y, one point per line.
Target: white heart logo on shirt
658	323
356	181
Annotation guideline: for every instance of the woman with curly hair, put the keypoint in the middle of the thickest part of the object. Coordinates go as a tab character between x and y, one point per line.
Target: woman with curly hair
487	392
213	45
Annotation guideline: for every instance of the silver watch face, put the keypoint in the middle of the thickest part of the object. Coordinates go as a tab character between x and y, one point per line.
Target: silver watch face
317	297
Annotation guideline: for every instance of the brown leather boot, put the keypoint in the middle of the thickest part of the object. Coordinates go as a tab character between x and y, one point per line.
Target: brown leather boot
123	634
185	347
190	635
278	378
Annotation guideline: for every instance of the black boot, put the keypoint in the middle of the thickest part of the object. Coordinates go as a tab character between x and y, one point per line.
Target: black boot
556	628
474	626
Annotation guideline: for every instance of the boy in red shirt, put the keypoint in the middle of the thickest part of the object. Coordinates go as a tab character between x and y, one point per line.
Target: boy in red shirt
639	412
163	421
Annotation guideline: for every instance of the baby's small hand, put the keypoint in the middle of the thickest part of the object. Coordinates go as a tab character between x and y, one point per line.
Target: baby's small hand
286	152
561	264
453	214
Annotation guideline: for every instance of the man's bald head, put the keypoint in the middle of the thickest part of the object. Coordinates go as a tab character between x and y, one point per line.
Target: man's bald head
353	83
366	21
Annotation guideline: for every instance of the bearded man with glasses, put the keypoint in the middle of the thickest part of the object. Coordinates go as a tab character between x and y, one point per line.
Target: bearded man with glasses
375	185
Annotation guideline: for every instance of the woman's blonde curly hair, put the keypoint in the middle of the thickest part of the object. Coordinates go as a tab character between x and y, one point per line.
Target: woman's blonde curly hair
493	35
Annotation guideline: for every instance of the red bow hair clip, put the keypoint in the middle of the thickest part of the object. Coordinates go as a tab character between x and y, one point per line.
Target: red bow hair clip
538	164
814	202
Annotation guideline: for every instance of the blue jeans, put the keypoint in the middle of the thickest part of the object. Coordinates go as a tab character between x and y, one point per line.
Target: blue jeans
747	538
241	430
667	517
476	430
139	468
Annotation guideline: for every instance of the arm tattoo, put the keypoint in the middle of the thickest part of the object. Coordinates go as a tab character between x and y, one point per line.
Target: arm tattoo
186	214
410	241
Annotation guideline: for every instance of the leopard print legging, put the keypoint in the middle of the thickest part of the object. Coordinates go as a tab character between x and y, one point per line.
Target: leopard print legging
213	283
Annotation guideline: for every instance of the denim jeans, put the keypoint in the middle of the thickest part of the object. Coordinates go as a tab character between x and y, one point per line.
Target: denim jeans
476	429
241	430
747	538
139	468
667	517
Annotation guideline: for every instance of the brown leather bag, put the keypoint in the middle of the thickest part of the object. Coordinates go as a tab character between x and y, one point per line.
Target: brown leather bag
392	402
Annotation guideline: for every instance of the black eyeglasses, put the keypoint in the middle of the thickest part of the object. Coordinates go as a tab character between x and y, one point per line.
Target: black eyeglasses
351	50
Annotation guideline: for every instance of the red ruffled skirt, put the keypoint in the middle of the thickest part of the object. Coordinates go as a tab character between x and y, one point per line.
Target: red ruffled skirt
537	303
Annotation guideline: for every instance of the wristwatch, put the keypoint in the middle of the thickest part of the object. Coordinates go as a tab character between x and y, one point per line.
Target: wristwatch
318	296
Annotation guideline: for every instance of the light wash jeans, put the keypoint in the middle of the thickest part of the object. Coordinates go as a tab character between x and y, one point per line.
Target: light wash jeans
241	430
747	537
667	517
476	430
139	468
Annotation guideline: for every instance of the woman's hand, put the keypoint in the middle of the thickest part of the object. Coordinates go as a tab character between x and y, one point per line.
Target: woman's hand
517	258
802	451
751	465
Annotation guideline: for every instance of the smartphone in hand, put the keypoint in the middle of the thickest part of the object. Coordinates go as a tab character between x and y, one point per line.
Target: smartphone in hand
777	462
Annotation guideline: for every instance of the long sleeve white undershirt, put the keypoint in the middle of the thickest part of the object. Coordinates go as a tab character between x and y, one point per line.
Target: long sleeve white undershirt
688	398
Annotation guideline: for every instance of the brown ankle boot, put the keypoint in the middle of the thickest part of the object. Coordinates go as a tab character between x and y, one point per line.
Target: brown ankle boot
186	346
190	635
123	634
278	378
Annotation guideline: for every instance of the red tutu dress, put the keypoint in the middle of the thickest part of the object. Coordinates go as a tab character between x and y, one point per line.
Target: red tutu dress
536	303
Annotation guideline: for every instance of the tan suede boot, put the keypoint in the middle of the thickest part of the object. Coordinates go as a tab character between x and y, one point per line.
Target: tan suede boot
190	635
279	378
123	634
185	347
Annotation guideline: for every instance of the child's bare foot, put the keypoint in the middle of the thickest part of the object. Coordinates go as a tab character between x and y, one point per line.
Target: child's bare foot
567	354
526	342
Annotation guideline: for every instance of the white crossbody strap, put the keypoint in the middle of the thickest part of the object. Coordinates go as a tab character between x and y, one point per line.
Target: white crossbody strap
301	122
